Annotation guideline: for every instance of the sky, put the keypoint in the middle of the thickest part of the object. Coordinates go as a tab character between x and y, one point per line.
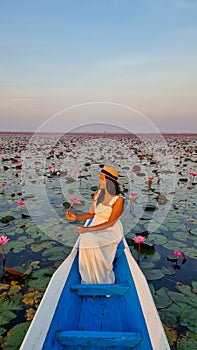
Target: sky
58	54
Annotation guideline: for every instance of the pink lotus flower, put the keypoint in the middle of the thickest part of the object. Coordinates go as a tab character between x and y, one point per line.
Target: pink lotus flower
133	194
192	173
21	202
4	185
74	200
139	239
177	254
3	240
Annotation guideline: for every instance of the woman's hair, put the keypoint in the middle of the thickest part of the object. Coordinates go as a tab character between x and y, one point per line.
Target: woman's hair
112	187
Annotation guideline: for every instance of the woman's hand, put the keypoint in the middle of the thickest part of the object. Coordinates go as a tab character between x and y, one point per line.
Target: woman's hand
70	215
81	229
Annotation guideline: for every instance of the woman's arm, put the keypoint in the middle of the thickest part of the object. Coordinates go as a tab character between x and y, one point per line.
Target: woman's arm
90	214
73	216
117	210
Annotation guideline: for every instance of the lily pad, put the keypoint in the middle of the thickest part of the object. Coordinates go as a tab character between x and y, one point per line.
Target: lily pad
175	245
168	271
6	219
15	336
41	278
38	247
158	238
186	344
6	317
154	274
161	298
55	253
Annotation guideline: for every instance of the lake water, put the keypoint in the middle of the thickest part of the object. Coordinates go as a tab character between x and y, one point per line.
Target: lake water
44	170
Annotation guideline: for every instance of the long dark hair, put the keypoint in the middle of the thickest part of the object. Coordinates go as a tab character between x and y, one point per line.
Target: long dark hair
112	187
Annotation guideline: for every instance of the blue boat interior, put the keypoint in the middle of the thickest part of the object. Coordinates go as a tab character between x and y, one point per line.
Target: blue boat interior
96	316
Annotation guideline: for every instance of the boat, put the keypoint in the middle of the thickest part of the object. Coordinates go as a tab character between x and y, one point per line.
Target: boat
77	316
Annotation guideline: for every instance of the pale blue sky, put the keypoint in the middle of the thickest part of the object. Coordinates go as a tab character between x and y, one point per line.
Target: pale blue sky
60	53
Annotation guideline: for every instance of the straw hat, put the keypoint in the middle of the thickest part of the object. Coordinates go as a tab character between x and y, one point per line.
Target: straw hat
111	173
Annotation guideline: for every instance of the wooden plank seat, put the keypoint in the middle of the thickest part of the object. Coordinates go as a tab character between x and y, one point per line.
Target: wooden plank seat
98	338
99	289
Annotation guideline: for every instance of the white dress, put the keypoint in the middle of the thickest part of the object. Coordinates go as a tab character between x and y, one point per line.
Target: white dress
97	249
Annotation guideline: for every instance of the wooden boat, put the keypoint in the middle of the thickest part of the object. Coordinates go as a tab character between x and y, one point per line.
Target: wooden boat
96	316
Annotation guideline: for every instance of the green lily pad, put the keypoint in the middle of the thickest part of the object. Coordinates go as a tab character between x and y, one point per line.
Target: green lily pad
10	306
194	286
190	252
146	265
168	271
2	331
158	238
182	236
155	274
186	344
37	247
175	245
155	257
161	298
6	317
55	253
15	336
16	246
40	278
6	219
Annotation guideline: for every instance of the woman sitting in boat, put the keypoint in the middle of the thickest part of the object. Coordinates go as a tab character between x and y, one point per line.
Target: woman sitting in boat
102	232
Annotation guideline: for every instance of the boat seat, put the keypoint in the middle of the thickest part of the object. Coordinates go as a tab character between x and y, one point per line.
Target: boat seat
99	289
98	338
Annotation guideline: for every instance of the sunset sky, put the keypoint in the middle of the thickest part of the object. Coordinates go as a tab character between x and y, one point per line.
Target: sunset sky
56	54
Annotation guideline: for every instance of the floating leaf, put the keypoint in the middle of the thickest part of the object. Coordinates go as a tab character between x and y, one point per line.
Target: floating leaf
14	289
168	270
15	336
172	334
16	246
41	278
54	253
29	314
4	286
182	236
194	286
6	219
2	330
186	344
12	271
6	317
175	245
158	239
37	247
161	298
152	275
10	306
32	297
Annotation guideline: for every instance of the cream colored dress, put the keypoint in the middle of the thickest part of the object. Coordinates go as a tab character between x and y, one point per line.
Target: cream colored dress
97	249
